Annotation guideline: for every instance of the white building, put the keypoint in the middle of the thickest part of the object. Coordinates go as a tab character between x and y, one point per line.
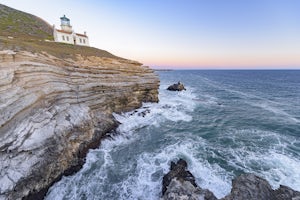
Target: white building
67	34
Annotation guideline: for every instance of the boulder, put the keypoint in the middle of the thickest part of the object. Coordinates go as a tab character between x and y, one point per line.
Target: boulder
180	184
251	187
284	192
176	87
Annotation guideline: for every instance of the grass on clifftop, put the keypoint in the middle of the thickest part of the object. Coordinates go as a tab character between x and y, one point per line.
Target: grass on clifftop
19	24
59	50
22	31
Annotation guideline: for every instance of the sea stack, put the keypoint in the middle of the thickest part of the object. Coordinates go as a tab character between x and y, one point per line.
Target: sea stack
176	87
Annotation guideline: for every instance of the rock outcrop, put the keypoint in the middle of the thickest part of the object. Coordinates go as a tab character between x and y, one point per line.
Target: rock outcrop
180	184
176	87
53	110
250	186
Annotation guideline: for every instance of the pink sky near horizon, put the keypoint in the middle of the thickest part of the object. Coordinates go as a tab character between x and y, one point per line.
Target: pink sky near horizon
276	61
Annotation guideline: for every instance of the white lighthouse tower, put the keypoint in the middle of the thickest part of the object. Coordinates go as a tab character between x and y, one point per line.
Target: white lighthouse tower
65	24
67	35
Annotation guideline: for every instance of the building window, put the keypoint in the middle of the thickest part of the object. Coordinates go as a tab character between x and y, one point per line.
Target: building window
67	38
80	40
83	41
63	37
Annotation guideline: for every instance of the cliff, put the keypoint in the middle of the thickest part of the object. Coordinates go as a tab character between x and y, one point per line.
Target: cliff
52	111
56	102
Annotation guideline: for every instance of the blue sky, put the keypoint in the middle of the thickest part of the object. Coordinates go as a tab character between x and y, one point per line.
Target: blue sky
185	33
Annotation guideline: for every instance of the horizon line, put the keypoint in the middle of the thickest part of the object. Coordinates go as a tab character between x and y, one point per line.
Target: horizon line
258	69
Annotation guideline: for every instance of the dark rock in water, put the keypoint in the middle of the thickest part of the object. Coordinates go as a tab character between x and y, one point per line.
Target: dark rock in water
284	192
144	113
249	186
178	170
252	187
180	184
176	87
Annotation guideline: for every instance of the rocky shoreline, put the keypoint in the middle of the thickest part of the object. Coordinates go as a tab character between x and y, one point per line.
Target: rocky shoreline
40	195
52	111
180	184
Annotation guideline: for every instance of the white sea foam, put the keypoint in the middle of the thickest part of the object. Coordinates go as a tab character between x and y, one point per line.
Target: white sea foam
251	154
277	168
140	177
173	106
90	182
208	100
146	183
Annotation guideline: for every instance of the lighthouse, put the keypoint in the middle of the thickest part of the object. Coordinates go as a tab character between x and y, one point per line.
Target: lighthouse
67	35
65	24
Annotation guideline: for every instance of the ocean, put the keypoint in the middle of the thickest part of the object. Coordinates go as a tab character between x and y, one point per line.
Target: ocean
226	123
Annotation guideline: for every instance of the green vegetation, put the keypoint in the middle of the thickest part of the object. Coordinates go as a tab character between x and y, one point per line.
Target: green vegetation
23	31
19	24
59	50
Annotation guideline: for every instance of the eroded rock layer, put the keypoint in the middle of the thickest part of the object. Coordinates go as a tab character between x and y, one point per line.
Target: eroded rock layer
52	111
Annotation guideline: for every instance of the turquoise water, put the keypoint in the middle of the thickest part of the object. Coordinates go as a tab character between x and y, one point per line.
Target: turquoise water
225	123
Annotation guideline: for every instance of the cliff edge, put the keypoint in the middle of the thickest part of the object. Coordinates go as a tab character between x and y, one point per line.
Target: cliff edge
52	111
56	102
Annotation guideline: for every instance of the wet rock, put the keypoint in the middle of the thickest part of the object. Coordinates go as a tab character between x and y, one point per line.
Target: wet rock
284	192
144	113
180	183
249	186
178	171
252	187
176	87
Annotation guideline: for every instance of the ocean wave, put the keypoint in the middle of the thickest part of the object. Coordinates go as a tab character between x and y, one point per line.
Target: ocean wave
272	106
265	153
191	124
104	177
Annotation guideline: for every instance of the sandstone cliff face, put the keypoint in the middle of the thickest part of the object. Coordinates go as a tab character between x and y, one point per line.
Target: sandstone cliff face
53	110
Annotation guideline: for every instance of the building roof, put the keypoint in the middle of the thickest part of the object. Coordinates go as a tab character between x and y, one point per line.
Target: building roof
62	31
64	18
69	32
82	35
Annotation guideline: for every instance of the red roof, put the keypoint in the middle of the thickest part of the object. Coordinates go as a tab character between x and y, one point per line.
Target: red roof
67	32
81	35
62	31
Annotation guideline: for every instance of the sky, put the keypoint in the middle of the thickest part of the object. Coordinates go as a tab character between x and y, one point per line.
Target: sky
205	34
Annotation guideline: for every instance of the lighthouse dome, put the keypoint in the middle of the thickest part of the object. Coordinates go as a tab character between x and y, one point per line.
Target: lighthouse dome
65	21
